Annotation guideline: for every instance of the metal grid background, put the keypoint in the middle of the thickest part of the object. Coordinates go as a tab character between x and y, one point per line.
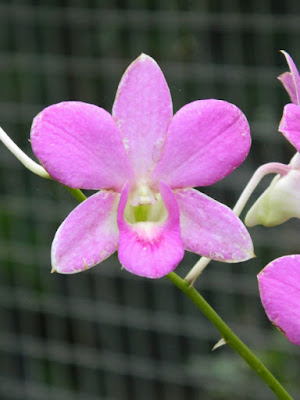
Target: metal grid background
105	334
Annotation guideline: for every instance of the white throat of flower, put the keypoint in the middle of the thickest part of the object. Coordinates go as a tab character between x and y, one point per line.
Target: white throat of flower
145	207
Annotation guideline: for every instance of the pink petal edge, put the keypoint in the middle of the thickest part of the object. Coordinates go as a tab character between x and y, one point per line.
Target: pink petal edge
211	229
143	110
150	249
279	286
290	124
206	140
293	90
88	235
289	84
80	146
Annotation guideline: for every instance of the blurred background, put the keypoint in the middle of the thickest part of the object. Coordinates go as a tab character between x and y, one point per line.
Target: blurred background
105	334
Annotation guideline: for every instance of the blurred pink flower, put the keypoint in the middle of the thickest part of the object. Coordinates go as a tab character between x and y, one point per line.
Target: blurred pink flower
280	201
279	281
290	122
144	161
279	286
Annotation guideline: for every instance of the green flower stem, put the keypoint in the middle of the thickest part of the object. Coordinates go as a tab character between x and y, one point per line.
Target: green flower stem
230	338
77	193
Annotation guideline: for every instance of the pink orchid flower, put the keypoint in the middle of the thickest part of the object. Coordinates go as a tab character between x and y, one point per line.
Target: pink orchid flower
280	201
279	286
144	161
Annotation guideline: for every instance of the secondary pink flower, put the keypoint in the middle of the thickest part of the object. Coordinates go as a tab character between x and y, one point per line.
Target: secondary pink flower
144	162
291	79
279	286
290	123
280	201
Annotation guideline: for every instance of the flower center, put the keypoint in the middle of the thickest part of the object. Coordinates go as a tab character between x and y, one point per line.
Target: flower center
145	206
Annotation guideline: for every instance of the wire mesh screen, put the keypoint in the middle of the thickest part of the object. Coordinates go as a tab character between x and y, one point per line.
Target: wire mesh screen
106	334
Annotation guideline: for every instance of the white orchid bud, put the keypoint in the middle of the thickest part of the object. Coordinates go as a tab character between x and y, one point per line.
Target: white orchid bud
280	202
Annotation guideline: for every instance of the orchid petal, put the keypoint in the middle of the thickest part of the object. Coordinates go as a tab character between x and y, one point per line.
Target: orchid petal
279	286
151	249
80	146
211	229
143	110
292	84
206	140
289	84
88	235
290	124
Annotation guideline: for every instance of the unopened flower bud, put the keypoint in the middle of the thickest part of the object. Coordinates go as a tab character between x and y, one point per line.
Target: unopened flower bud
279	203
